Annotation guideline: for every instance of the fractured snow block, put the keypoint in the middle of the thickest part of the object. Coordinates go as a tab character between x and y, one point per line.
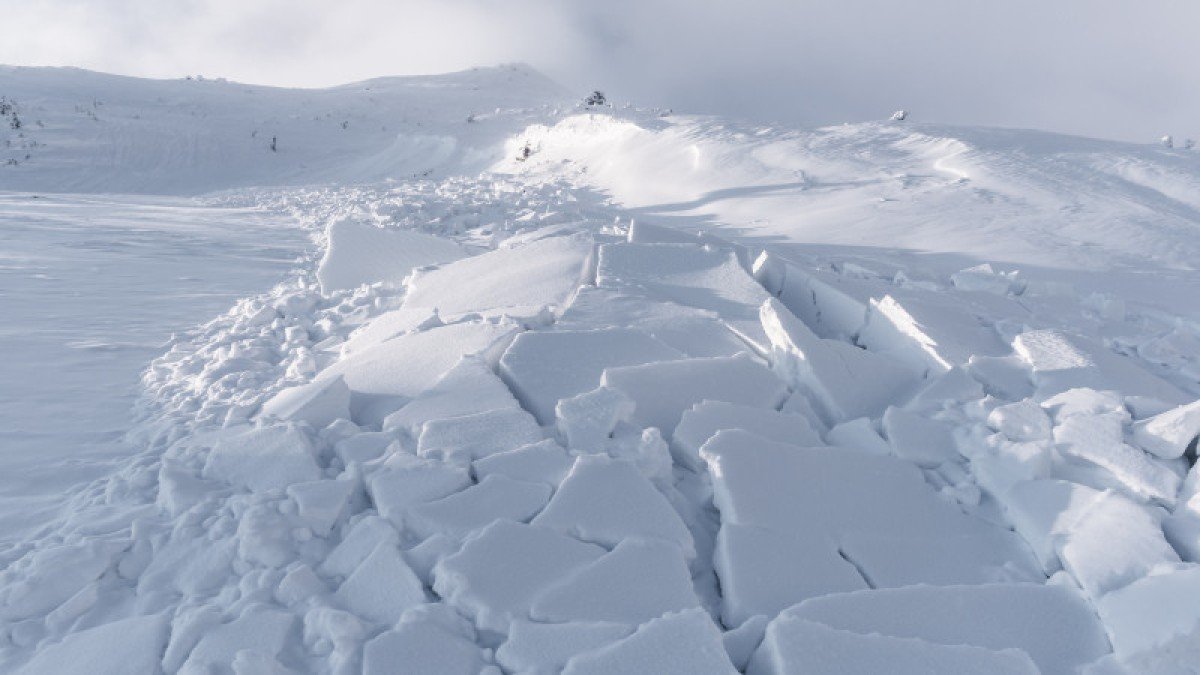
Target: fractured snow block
1113	542
405	481
263	630
533	275
544	648
1085	401
423	557
1004	377
765	571
587	420
467	438
1182	529
1169	434
141	641
382	586
1052	624
990	554
982	279
846	382
318	403
684	643
365	536
1010	463
1100	440
463	512
705	277
1150	612
928	332
544	462
796	645
833	305
321	503
363	447
361	253
416	647
956	385
1061	361
918	439
468	388
389	325
606	500
499	571
858	433
1042	511
639	580
663	390
1022	421
776	485
741	642
263	458
543	367
708	417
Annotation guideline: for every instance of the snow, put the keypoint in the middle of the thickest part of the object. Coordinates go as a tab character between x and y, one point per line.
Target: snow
361	253
421	648
708	417
381	587
469	437
321	503
264	458
918	439
684	642
463	512
545	462
1168	434
544	648
1150	612
264	630
318	403
468	388
403	481
142	640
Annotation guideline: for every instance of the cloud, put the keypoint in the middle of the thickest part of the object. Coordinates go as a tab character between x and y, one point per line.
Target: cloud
1108	68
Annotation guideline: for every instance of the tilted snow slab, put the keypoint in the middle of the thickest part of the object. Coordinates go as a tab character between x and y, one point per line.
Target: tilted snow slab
361	253
382	586
1061	361
132	645
846	382
1153	610
403	481
663	391
796	645
544	648
543	367
461	513
705	277
318	403
684	643
1169	434
422	647
1052	624
538	274
469	387
264	458
708	417
470	437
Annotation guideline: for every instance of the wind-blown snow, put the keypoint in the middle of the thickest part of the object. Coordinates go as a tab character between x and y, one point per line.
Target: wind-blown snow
660	394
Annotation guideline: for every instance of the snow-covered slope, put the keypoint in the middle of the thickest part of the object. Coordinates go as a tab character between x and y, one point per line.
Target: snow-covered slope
657	394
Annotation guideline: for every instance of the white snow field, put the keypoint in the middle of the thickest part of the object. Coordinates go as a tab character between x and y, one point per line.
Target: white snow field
587	389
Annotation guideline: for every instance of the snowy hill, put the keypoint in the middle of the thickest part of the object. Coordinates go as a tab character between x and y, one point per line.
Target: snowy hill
604	390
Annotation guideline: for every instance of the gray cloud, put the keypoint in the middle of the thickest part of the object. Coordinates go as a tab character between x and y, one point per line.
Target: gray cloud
1110	68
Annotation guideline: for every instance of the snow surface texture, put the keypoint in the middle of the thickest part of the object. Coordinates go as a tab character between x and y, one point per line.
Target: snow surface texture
502	423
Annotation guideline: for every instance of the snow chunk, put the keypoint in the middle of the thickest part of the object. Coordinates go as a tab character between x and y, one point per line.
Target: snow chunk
1061	361
708	417
705	277
1043	511
639	580
141	642
1052	624
988	555
1153	610
741	642
982	279
382	587
544	367
363	538
405	481
586	421
466	438
262	630
796	645
362	447
1169	434
422	647
846	382
318	403
928	331
533	275
662	391
463	512
859	433
389	325
263	458
587	506
953	386
1100	440
360	253
918	439
544	462
321	503
544	648
499	571
765	571
684	643
467	389
1023	421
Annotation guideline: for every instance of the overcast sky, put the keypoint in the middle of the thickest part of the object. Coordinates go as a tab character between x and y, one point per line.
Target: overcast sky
1126	69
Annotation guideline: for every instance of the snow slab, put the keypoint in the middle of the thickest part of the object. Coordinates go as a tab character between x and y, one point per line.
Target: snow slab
403	481
469	387
382	586
1062	361
1042	511
834	306
367	533
639	580
956	385
389	325
499	571
318	403
543	462
684	643
988	555
1052	624
320	504
933	332
142	640
858	433
846	382
663	391
416	647
463	512
702	276
607	500
470	437
741	642
545	366
1021	421
263	630
363	447
544	648
1100	440
587	421
1169	434
361	253
918	439
708	417
796	645
1150	612
263	458
541	273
